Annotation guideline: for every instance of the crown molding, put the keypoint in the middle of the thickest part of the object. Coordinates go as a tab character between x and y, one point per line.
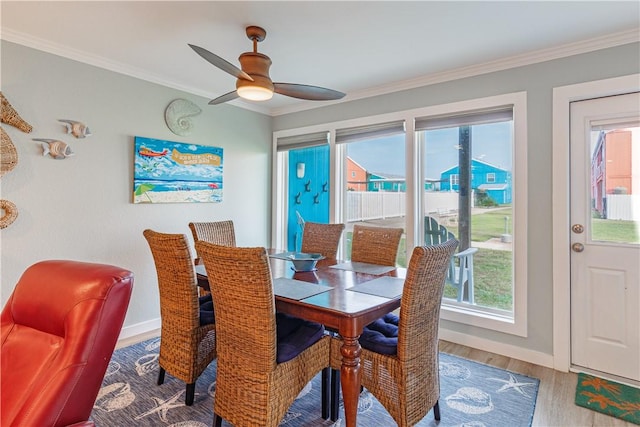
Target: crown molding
117	67
533	57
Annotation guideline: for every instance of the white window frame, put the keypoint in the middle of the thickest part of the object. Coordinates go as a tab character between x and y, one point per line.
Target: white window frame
482	317
498	320
491	177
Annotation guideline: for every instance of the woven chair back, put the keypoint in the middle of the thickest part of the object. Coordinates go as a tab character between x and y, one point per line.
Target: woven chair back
375	245
322	239
177	283
421	299
244	305
217	232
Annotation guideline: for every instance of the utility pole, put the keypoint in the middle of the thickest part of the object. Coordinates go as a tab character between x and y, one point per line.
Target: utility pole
464	188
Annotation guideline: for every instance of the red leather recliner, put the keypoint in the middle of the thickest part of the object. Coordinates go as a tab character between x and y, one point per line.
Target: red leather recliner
59	329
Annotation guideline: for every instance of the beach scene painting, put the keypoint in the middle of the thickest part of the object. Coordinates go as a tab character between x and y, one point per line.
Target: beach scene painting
174	172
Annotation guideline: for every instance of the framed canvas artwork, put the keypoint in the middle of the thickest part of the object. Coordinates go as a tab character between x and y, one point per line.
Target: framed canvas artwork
174	172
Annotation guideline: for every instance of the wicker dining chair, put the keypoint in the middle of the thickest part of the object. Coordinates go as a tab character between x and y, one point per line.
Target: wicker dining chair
322	239
401	369
254	384
216	232
186	346
375	245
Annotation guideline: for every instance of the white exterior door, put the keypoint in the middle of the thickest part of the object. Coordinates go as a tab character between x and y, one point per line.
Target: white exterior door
605	235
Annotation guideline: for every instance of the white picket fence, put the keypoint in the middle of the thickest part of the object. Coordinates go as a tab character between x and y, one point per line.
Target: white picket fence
623	206
369	205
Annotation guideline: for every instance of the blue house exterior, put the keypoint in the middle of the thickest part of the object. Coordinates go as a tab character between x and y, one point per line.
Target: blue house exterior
379	182
496	182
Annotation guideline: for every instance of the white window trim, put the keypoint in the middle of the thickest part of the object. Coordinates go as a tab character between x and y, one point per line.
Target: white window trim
461	313
491	175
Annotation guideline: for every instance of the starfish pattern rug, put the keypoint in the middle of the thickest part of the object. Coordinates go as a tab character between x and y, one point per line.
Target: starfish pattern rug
471	394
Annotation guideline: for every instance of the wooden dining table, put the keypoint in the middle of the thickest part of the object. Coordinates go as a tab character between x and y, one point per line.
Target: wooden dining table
345	298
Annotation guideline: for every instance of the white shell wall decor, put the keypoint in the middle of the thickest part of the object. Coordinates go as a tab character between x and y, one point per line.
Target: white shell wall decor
178	116
75	128
57	149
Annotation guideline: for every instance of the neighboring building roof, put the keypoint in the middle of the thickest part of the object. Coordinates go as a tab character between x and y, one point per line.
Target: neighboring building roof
492	187
386	176
357	164
472	162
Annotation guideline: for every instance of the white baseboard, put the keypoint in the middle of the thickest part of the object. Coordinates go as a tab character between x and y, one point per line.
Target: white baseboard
508	350
139	330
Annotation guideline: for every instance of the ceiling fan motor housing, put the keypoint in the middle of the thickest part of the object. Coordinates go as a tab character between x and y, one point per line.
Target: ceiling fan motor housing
257	66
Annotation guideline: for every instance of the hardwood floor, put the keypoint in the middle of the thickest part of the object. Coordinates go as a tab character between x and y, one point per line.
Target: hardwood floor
555	405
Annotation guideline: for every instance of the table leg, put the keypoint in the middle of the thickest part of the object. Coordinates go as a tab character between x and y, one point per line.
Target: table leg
350	377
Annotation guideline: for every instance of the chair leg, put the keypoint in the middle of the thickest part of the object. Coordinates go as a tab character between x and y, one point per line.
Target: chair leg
217	420
335	394
191	391
161	376
326	393
436	411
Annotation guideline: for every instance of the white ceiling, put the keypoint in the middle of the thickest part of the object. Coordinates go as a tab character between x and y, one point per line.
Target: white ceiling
358	47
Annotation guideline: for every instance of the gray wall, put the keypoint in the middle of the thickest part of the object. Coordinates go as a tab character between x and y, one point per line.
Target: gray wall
538	81
80	208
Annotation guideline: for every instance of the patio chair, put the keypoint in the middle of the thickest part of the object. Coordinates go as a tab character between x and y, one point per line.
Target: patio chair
460	272
399	358
187	344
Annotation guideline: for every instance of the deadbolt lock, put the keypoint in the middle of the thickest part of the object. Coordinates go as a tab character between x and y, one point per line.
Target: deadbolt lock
577	228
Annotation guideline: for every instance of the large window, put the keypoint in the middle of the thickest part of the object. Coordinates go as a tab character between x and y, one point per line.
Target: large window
473	207
374	159
458	171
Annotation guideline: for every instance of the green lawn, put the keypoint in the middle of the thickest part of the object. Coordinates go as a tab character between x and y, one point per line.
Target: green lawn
612	230
493	269
492	274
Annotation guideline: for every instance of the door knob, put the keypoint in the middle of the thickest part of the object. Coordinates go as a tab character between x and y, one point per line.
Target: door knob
577	228
577	247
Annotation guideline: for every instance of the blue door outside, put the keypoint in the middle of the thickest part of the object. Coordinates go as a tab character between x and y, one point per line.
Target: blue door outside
308	191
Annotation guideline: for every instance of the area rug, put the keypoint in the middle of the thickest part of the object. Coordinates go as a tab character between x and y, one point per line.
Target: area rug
472	394
609	397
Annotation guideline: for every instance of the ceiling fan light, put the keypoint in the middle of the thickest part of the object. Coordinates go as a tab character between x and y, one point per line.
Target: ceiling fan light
255	93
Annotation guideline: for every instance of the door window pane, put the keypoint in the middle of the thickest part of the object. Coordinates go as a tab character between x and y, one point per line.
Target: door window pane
615	184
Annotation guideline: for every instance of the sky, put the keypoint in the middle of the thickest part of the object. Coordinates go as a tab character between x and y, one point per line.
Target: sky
490	143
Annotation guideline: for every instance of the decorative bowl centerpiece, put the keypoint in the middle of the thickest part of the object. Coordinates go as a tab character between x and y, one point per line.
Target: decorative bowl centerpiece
303	261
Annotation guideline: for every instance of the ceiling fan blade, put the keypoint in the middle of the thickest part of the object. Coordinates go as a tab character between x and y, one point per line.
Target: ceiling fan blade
224	98
312	93
223	64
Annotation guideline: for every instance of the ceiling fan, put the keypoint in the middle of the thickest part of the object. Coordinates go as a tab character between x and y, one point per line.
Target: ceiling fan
253	81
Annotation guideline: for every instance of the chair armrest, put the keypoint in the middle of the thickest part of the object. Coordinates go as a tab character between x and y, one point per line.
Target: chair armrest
466	253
